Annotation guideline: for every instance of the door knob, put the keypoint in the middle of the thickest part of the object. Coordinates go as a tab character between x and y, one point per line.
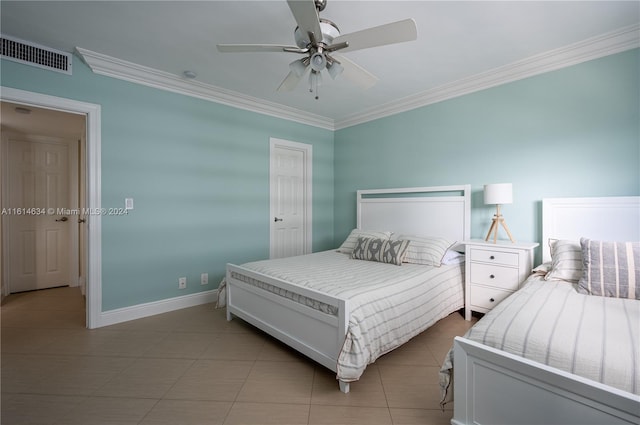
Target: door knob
62	219
276	219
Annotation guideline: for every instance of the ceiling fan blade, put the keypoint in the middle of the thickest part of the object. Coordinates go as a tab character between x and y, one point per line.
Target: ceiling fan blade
290	82
395	32
306	15
249	48
356	74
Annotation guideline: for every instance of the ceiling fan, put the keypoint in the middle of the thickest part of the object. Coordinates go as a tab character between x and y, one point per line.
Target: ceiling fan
318	39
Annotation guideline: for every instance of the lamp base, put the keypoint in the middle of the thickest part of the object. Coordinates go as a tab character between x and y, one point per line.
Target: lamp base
497	221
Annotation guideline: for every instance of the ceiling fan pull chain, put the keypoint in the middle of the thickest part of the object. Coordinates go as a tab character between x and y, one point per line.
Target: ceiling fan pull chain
314	80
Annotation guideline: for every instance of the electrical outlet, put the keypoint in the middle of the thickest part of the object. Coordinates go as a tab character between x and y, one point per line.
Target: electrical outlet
182	283
204	278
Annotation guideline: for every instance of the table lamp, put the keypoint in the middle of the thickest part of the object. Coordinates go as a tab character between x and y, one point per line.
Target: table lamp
498	194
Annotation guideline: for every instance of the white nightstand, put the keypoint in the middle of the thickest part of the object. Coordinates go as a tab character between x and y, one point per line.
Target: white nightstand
493	272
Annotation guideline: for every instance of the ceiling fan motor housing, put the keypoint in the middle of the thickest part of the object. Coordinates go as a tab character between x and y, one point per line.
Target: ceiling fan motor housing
329	32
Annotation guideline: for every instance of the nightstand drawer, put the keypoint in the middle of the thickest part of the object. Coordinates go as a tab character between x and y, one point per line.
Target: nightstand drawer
492	256
487	298
500	277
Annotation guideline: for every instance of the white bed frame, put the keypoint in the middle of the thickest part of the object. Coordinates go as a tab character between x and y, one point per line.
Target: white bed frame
435	211
495	387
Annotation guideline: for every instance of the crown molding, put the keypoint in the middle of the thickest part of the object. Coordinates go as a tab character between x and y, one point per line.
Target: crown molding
135	73
623	39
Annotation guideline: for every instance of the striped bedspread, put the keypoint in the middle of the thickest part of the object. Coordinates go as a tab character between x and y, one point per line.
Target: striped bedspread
550	322
389	304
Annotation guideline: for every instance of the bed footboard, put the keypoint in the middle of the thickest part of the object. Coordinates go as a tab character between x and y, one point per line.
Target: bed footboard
492	387
316	334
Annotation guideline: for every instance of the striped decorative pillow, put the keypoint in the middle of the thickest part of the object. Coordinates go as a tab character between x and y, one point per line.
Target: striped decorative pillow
610	269
566	261
426	250
350	243
381	250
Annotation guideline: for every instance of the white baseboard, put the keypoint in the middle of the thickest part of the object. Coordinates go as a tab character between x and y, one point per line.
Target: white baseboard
139	311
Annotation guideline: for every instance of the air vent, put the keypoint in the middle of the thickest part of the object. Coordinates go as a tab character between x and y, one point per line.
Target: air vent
34	54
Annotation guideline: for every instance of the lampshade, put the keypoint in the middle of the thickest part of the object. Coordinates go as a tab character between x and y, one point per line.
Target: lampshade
318	62
299	66
335	69
498	193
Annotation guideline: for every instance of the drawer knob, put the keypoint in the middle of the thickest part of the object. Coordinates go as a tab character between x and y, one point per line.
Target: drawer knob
492	257
491	299
492	276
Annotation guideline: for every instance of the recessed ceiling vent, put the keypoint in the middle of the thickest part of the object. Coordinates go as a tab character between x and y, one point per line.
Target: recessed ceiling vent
34	54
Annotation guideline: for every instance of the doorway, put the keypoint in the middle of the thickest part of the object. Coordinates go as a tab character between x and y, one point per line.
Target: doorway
87	160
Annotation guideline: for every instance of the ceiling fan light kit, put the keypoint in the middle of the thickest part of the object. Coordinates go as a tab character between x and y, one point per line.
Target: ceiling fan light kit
318	61
299	66
316	38
334	69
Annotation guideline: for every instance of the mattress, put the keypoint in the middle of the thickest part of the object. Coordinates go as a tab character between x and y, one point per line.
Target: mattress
550	322
389	304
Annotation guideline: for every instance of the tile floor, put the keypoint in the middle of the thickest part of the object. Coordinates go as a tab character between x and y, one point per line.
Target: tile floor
193	367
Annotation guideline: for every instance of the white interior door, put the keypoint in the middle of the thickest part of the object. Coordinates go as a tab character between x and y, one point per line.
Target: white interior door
290	199
39	200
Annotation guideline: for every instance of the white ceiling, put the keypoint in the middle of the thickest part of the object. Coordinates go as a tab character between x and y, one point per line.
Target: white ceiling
456	41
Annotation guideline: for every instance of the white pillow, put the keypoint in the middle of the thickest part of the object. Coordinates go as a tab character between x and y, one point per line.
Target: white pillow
452	257
350	243
566	261
426	250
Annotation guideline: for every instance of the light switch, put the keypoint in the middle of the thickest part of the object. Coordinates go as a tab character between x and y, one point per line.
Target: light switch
128	203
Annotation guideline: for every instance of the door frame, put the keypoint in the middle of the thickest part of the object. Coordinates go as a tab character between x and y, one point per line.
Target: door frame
92	188
307	151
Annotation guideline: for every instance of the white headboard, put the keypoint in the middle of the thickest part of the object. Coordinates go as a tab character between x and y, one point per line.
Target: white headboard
608	218
443	211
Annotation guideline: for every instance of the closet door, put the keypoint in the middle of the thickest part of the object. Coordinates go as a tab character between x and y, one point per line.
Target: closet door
38	207
290	220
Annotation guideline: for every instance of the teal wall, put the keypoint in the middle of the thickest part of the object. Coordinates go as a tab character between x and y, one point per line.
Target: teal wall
199	175
568	133
198	171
